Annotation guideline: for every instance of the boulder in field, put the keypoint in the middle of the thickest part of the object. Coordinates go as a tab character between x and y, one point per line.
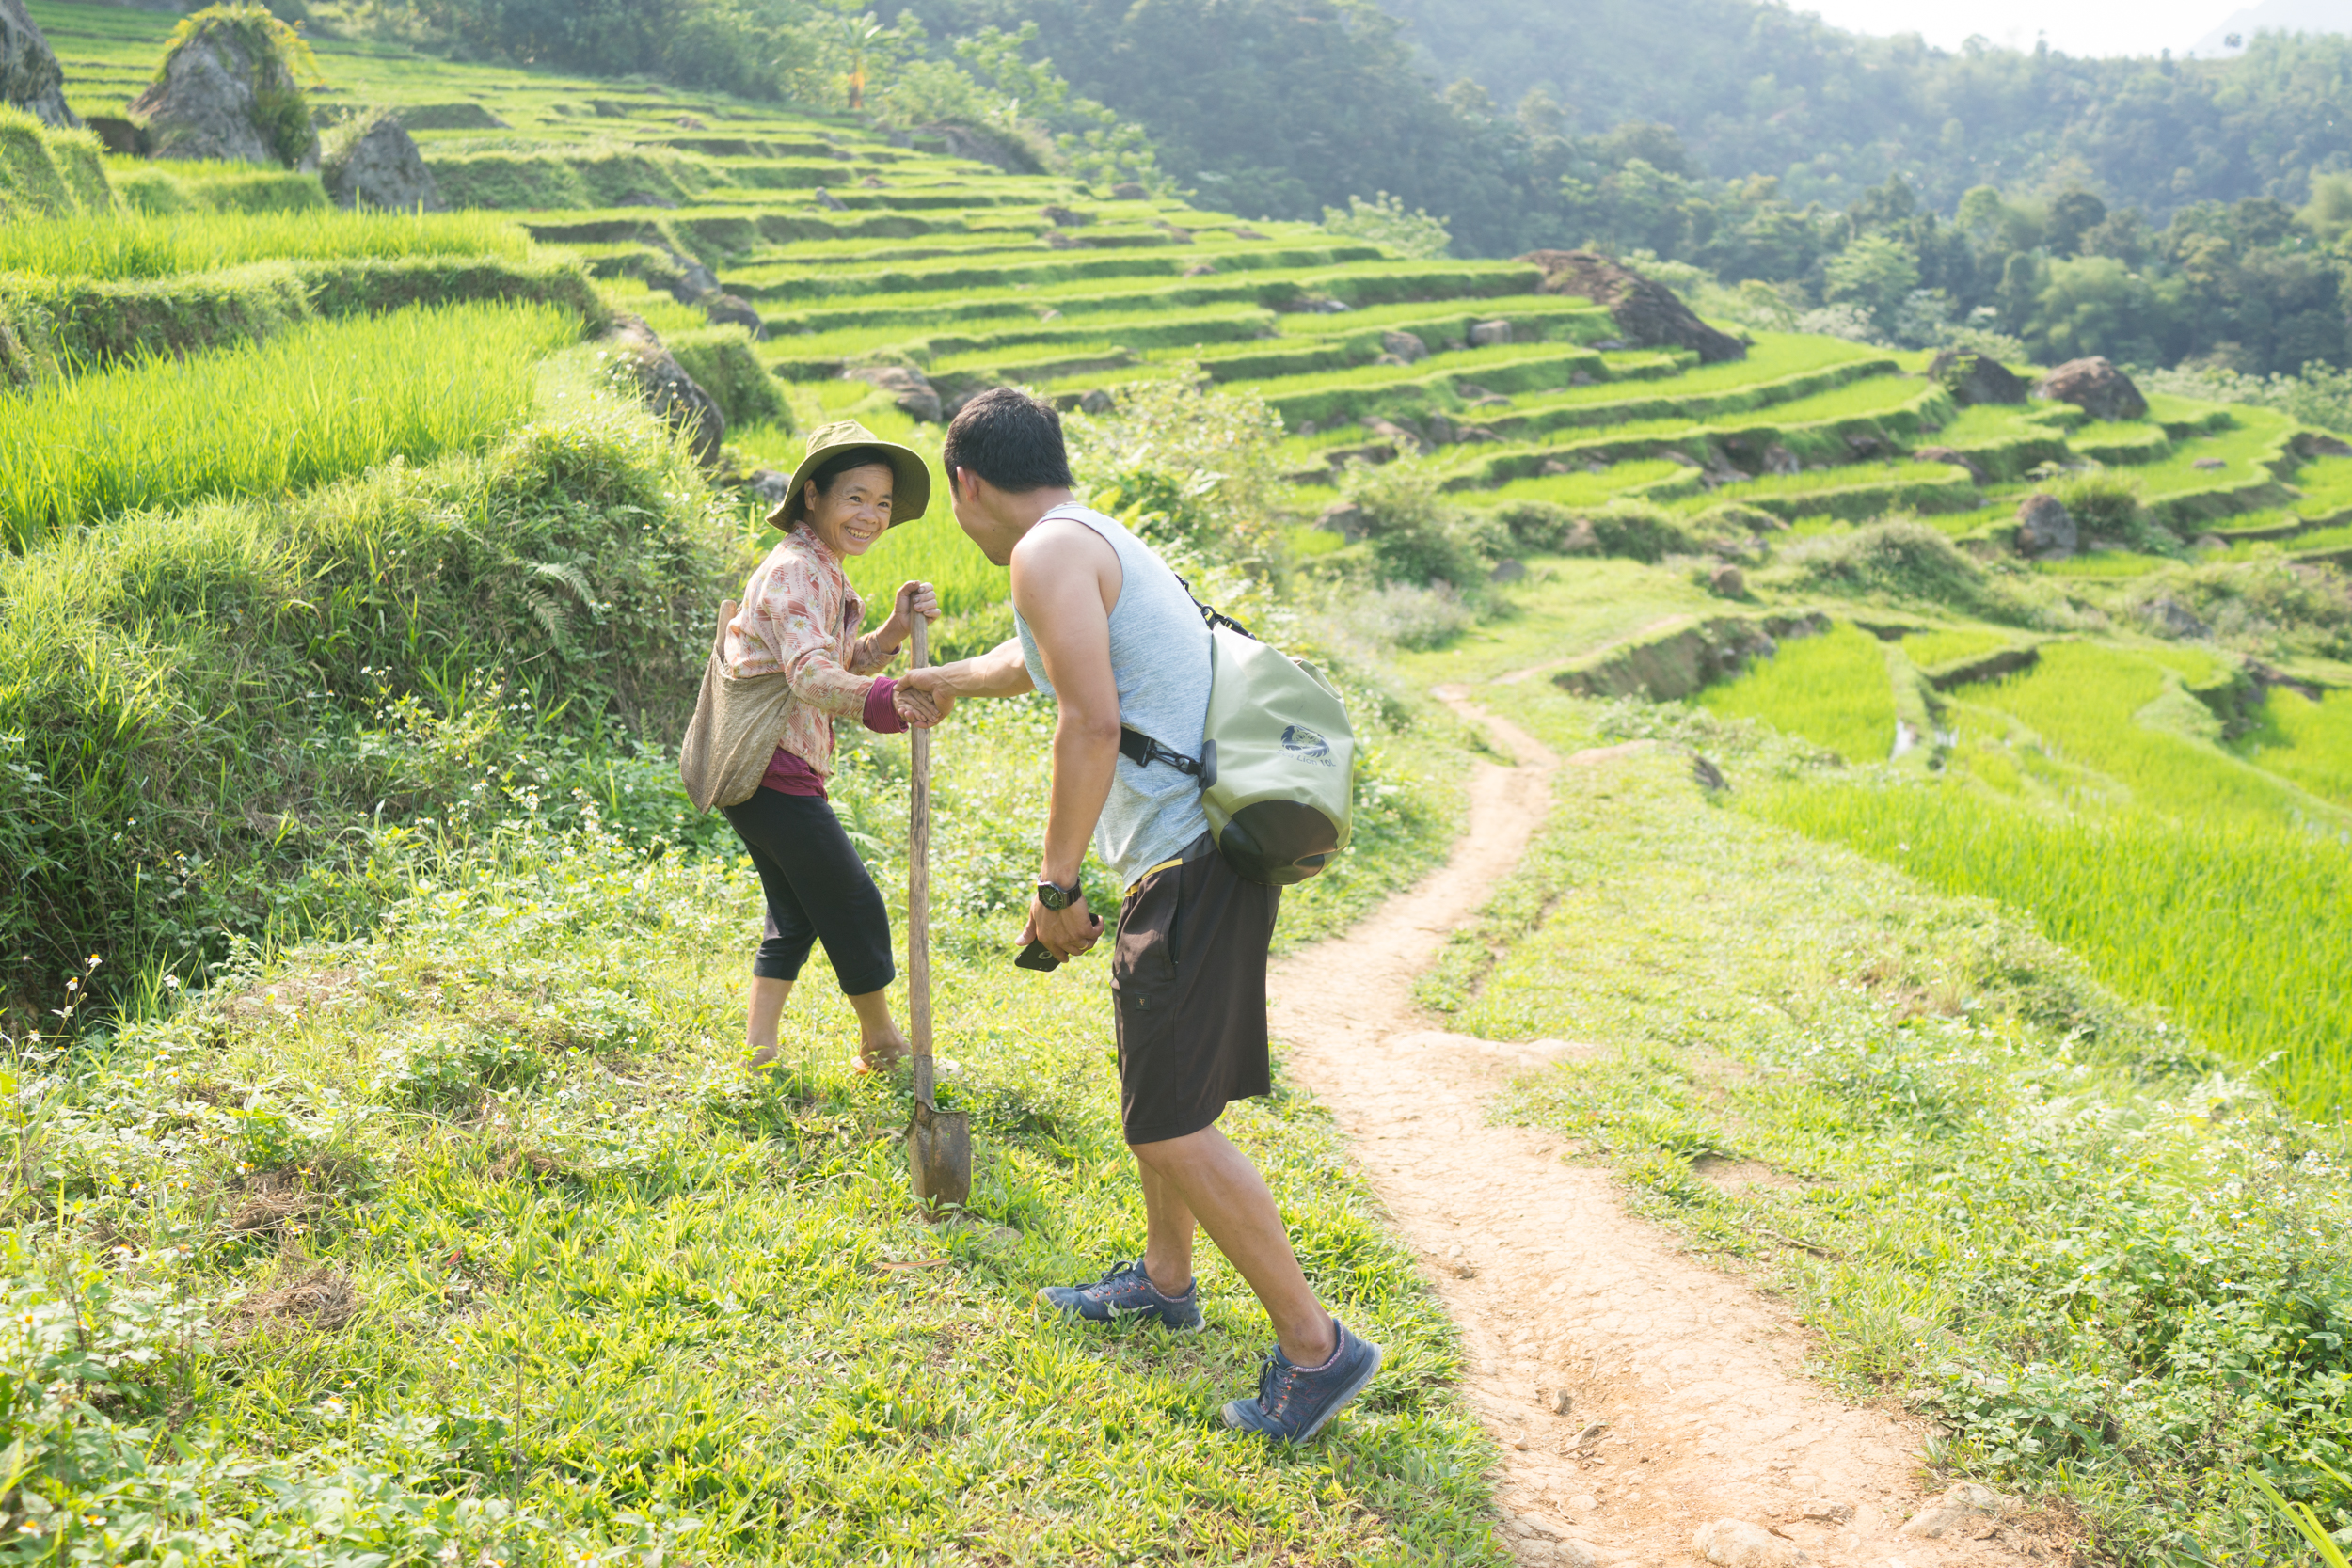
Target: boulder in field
725	310
228	91
2044	526
1344	518
30	77
1128	191
917	398
1726	582
1648	315
1971	377
1489	334
375	163
1780	459
1405	347
1958	459
829	201
2096	388
1097	401
665	387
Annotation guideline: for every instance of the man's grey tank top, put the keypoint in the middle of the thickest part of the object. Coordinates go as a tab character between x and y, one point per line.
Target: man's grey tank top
1160	660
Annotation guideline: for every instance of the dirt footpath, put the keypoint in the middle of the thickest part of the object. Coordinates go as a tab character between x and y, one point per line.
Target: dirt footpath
1572	1312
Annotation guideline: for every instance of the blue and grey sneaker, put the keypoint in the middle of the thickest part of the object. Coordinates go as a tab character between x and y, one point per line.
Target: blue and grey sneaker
1295	1403
1127	1291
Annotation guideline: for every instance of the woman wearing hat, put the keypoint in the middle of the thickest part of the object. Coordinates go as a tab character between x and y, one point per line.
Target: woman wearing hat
799	617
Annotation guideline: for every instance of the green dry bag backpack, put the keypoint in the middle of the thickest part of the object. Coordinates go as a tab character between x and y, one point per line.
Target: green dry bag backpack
1277	760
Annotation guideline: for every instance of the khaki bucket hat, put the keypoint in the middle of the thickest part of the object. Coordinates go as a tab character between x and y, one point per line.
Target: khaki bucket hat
911	480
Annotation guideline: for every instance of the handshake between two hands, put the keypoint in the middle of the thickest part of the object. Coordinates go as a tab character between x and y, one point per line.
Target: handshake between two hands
920	697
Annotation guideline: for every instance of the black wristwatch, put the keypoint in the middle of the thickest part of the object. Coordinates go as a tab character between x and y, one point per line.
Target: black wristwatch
1057	897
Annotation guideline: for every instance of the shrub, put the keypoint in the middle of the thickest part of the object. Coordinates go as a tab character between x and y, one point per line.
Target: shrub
724	363
1902	559
1400	616
2268	602
2105	503
1412	536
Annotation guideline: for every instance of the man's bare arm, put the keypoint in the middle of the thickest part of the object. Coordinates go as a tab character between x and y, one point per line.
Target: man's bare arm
1059	582
998	673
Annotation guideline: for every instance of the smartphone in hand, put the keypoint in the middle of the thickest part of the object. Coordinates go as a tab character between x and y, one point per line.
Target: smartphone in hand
1039	957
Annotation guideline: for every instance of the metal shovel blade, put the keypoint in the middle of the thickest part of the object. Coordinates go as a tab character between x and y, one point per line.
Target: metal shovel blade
938	1155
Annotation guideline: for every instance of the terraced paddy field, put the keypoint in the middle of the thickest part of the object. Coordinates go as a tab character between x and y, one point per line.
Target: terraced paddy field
358	704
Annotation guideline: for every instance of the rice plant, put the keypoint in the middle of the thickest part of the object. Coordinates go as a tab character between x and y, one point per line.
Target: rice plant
2235	926
1833	689
2114	711
1931	650
323	399
134	244
2308	741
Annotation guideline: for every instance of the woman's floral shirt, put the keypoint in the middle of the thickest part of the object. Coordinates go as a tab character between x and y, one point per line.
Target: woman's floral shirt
800	616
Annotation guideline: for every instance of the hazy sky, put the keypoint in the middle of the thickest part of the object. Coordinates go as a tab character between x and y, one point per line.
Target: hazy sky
2077	27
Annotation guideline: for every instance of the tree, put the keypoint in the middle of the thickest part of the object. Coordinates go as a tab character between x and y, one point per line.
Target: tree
1876	273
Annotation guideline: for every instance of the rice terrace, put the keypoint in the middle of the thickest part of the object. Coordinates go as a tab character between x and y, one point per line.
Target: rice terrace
1830	1041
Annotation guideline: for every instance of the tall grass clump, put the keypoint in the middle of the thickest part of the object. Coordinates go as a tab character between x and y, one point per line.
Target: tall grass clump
1833	689
2237	928
139	244
321	401
206	712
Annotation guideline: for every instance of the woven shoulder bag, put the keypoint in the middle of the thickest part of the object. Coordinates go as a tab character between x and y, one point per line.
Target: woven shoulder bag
738	722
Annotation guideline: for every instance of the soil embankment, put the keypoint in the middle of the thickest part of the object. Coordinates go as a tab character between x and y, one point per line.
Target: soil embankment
1573	1312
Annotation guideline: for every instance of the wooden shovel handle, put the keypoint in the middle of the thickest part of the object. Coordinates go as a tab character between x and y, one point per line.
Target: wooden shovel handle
919	893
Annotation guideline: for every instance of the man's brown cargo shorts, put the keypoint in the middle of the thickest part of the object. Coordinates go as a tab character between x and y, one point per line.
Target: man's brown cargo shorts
1188	973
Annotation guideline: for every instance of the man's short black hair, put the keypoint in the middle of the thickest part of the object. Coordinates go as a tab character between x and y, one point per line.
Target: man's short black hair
1010	440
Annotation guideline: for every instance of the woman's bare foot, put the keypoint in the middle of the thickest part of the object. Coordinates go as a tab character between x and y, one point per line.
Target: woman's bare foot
762	1059
880	1055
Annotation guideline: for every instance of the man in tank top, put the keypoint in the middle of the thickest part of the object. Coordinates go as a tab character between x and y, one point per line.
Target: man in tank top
1105	630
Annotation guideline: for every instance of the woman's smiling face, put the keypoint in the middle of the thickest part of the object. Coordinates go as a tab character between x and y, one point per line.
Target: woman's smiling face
850	513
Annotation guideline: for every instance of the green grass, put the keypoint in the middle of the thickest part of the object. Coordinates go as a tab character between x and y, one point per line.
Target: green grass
1833	689
137	246
1931	650
1587	489
1991	1190
2310	742
2102	565
1859	490
596	1272
2243	451
318	401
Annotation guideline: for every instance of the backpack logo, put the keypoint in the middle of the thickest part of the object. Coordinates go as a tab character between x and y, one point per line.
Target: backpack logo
1304	744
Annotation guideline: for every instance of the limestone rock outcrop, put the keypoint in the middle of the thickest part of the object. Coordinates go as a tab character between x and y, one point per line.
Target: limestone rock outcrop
30	77
666	388
2096	388
377	165
1971	377
226	95
2046	528
1648	315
